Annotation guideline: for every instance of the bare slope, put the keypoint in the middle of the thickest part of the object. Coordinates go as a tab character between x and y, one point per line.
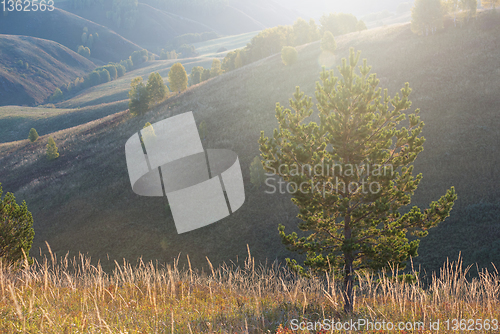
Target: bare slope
45	66
67	28
83	201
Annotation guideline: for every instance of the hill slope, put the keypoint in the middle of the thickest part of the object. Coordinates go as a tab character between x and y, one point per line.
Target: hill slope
83	201
32	68
67	28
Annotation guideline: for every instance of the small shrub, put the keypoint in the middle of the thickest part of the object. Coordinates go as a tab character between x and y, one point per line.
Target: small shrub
57	96
328	42
33	135
289	55
51	151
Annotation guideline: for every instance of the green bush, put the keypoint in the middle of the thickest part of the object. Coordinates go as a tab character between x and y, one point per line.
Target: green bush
58	95
33	135
51	149
328	42
84	51
120	70
139	57
104	76
16	229
289	55
111	68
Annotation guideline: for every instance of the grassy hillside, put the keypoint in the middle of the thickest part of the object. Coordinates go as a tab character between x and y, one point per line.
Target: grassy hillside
15	121
209	48
32	68
154	28
66	28
118	89
83	201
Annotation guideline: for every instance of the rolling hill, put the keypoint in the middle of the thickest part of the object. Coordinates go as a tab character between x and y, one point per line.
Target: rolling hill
32	68
66	28
83	202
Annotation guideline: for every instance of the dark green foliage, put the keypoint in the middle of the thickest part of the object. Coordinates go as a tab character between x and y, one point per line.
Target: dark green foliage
328	42
92	79
104	76
196	75
127	63
33	135
177	78
57	96
120	70
84	51
231	62
157	91
216	69
205	75
304	32
360	26
20	63
338	23
269	41
139	57
187	51
16	229
111	68
352	226
289	55
139	97
168	54
51	149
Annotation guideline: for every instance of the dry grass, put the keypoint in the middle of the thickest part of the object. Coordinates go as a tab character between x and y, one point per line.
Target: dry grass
62	295
83	202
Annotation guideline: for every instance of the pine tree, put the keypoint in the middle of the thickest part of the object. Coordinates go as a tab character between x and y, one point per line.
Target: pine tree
178	78
328	42
288	55
157	90
352	174
16	229
51	149
33	135
139	97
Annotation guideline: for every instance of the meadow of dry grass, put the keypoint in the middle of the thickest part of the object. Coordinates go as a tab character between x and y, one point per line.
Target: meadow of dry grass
82	201
70	295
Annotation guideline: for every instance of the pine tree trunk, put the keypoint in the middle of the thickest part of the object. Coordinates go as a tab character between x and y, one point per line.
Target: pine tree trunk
348	272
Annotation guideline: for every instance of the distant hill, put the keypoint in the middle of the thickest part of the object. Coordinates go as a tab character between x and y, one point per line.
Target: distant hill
32	68
66	28
83	201
153	30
